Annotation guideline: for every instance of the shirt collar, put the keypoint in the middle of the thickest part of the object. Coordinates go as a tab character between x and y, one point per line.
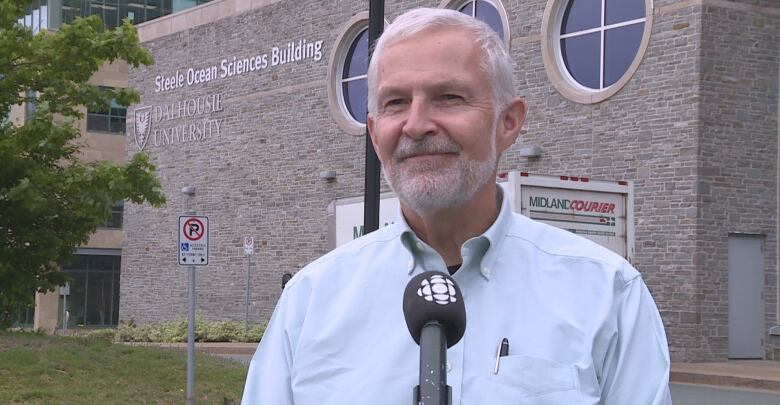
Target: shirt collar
483	249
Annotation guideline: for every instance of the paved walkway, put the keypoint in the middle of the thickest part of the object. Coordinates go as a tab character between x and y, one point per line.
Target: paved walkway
748	374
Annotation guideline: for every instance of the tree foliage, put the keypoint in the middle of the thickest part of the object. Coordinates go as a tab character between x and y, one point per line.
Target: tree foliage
50	201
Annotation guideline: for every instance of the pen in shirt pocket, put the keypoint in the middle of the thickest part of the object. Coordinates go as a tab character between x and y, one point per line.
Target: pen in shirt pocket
502	351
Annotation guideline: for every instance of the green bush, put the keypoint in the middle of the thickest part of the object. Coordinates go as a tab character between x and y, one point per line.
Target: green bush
107	334
176	331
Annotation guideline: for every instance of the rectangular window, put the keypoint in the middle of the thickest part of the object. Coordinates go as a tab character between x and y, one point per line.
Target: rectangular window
24	316
117	212
110	120
29	105
37	16
5	118
72	9
94	290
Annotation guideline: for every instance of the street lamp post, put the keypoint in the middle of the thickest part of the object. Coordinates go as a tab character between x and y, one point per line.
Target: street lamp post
376	23
189	191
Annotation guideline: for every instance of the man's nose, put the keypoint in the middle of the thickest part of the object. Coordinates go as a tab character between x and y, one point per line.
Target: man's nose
419	123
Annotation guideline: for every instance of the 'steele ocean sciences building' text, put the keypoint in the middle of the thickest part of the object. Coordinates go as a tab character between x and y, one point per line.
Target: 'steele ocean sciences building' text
233	66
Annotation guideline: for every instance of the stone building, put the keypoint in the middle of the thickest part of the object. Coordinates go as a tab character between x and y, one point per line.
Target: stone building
250	100
93	299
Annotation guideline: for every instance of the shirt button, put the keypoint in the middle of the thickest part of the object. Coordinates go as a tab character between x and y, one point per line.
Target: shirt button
449	367
419	245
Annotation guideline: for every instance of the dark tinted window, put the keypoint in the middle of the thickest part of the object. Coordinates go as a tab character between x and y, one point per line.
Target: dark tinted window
581	15
620	48
468	8
94	290
357	57
581	56
582	50
485	12
110	120
31	98
354	86
624	10
356	99
117	212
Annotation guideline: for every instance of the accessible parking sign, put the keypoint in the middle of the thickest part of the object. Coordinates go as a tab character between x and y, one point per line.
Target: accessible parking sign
193	241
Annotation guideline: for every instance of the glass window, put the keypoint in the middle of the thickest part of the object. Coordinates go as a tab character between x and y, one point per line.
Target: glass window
70	10
29	105
598	45
110	120
94	290
578	55
620	47
581	15
153	9
115	220
354	88
347	71
24	316
100	298
623	10
110	14
484	11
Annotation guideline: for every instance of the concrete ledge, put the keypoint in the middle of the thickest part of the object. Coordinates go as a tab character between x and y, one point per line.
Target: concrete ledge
749	374
206	347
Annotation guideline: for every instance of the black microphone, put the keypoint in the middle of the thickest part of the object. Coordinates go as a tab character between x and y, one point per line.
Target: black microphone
436	318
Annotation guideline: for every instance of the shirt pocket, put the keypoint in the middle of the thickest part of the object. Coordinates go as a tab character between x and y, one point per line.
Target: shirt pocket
535	376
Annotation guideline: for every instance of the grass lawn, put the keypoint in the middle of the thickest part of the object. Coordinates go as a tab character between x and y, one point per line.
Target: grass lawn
39	369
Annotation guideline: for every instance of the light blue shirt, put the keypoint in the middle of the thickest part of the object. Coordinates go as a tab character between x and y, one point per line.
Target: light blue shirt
581	324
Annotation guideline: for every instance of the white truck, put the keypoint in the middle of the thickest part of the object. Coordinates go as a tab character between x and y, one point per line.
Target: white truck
602	211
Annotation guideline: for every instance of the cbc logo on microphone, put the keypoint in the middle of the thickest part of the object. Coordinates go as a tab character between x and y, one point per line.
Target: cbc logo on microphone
437	289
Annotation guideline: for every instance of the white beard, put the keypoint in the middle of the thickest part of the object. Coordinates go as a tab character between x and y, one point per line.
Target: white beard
426	186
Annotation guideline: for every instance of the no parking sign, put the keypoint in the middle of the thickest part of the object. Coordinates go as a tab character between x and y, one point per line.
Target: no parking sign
193	241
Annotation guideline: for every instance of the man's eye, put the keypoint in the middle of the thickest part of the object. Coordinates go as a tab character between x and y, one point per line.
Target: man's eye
393	102
451	97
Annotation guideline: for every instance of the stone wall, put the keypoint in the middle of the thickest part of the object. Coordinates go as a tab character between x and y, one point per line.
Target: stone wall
697	176
737	183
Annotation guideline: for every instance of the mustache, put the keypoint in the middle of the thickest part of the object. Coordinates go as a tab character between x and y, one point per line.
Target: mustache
407	148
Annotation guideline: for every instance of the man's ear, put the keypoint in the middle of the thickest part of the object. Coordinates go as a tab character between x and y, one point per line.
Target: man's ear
510	123
371	125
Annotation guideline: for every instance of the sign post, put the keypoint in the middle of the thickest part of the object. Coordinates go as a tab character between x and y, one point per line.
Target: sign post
65	291
193	251
249	247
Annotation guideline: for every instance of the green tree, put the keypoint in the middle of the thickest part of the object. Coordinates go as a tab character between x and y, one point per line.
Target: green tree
50	201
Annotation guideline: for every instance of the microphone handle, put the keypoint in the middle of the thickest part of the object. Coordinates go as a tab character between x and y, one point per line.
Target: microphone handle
433	388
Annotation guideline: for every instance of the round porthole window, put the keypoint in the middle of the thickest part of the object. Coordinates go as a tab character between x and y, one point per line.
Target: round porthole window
347	85
491	13
591	48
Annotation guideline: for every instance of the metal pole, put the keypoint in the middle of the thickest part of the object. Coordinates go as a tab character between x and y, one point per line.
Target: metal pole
64	314
191	336
376	23
190	330
246	299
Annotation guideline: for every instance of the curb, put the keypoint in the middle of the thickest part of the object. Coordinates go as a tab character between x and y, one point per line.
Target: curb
724	381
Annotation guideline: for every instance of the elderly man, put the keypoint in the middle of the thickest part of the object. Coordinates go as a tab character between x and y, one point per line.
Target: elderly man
580	322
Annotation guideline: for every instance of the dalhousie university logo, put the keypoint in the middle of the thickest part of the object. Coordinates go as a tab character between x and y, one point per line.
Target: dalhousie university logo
143	126
438	289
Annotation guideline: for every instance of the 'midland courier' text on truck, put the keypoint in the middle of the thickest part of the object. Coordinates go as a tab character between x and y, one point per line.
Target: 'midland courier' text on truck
602	211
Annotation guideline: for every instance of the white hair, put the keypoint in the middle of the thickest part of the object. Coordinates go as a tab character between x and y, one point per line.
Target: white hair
496	62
